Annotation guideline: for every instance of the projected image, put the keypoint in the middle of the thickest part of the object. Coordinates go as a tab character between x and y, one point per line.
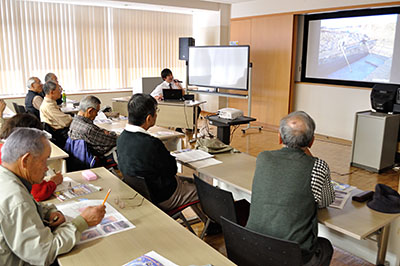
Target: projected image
352	48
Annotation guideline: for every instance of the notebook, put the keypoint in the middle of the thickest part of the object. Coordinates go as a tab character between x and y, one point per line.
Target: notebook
172	95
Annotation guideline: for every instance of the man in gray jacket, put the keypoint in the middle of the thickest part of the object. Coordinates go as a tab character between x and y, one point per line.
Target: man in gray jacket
33	233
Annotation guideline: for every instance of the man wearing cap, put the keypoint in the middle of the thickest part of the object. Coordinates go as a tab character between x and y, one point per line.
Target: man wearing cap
289	186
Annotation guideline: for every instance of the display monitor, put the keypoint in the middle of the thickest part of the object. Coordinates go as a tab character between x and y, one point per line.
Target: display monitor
225	67
356	48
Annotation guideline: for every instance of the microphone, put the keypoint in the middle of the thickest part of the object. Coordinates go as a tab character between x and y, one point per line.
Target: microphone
177	81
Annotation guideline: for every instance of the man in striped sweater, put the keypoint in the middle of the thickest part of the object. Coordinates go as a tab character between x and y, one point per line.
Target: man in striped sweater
289	186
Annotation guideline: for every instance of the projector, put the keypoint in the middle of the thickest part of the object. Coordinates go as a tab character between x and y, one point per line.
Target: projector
229	113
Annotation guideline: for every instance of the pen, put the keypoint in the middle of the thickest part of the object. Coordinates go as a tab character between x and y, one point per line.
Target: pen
108	194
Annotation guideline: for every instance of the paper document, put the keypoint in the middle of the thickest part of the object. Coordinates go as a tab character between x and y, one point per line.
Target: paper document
342	194
188	155
151	259
69	189
112	223
204	163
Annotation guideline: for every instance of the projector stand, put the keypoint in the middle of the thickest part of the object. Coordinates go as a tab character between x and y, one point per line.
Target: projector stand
249	104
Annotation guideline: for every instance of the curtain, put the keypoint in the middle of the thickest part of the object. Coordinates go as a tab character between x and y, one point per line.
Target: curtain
88	48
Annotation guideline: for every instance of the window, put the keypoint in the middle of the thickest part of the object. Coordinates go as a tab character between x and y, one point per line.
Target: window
88	48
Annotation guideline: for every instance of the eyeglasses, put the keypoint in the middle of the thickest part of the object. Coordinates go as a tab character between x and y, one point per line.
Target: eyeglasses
121	203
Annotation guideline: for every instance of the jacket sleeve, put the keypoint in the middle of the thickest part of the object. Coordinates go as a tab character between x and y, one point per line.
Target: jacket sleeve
32	241
43	190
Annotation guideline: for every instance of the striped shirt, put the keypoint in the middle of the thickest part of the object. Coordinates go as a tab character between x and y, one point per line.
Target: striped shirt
321	185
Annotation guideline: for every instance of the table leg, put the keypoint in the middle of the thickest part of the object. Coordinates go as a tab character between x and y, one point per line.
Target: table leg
383	239
195	121
224	134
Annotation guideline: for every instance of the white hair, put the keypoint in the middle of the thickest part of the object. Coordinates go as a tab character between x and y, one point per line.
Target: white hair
30	81
21	141
89	101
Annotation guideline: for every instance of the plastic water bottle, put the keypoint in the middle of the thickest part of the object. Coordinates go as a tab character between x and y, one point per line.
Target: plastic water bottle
64	97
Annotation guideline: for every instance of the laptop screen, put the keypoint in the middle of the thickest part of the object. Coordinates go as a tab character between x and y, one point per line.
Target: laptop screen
171	94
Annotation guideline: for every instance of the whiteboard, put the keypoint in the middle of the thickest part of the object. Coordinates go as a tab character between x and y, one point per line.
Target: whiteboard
224	67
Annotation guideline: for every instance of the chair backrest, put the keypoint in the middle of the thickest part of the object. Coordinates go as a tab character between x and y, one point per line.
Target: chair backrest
138	183
214	201
19	109
59	136
79	156
246	247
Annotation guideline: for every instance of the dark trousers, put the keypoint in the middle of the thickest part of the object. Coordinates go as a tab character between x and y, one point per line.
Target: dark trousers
323	253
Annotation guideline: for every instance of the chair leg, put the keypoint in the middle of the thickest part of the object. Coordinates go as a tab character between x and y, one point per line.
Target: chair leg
205	228
197	209
183	218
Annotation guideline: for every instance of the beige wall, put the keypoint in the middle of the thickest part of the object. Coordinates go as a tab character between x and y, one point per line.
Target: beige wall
332	107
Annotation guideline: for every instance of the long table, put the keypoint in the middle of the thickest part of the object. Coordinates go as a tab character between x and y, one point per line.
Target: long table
172	114
57	158
355	219
154	230
170	138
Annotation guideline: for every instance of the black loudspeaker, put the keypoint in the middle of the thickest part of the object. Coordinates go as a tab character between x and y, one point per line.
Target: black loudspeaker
184	44
383	96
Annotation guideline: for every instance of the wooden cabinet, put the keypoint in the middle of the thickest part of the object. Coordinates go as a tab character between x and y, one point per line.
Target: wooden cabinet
271	40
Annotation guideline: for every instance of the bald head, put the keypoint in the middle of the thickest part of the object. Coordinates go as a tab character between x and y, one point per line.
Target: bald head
297	130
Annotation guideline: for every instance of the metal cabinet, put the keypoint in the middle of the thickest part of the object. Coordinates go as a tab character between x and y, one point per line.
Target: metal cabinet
374	140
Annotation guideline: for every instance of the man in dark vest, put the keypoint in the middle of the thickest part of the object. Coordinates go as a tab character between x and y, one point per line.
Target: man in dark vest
34	97
289	186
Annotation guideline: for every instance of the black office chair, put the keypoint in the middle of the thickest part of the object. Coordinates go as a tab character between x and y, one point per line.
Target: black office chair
19	109
59	136
246	247
216	202
139	184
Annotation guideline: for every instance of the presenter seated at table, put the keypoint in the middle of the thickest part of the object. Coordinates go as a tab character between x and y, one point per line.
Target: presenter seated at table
101	142
34	97
51	114
51	76
45	189
140	154
33	233
289	186
168	83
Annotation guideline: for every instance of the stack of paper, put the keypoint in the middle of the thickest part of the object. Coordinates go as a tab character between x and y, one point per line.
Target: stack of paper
188	155
342	194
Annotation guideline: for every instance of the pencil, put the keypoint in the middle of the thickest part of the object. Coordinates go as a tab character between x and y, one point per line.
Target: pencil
108	194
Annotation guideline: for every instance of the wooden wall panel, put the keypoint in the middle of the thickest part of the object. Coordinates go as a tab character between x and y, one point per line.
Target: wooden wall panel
271	46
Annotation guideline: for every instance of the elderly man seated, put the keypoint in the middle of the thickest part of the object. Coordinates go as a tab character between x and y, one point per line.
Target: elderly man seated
100	141
56	122
34	97
289	185
30	232
50	113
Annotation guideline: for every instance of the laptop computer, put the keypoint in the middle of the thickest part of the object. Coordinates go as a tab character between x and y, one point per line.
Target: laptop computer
172	95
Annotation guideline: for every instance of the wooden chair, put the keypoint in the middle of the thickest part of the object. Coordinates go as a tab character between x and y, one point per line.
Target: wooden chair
246	247
215	203
19	109
139	184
